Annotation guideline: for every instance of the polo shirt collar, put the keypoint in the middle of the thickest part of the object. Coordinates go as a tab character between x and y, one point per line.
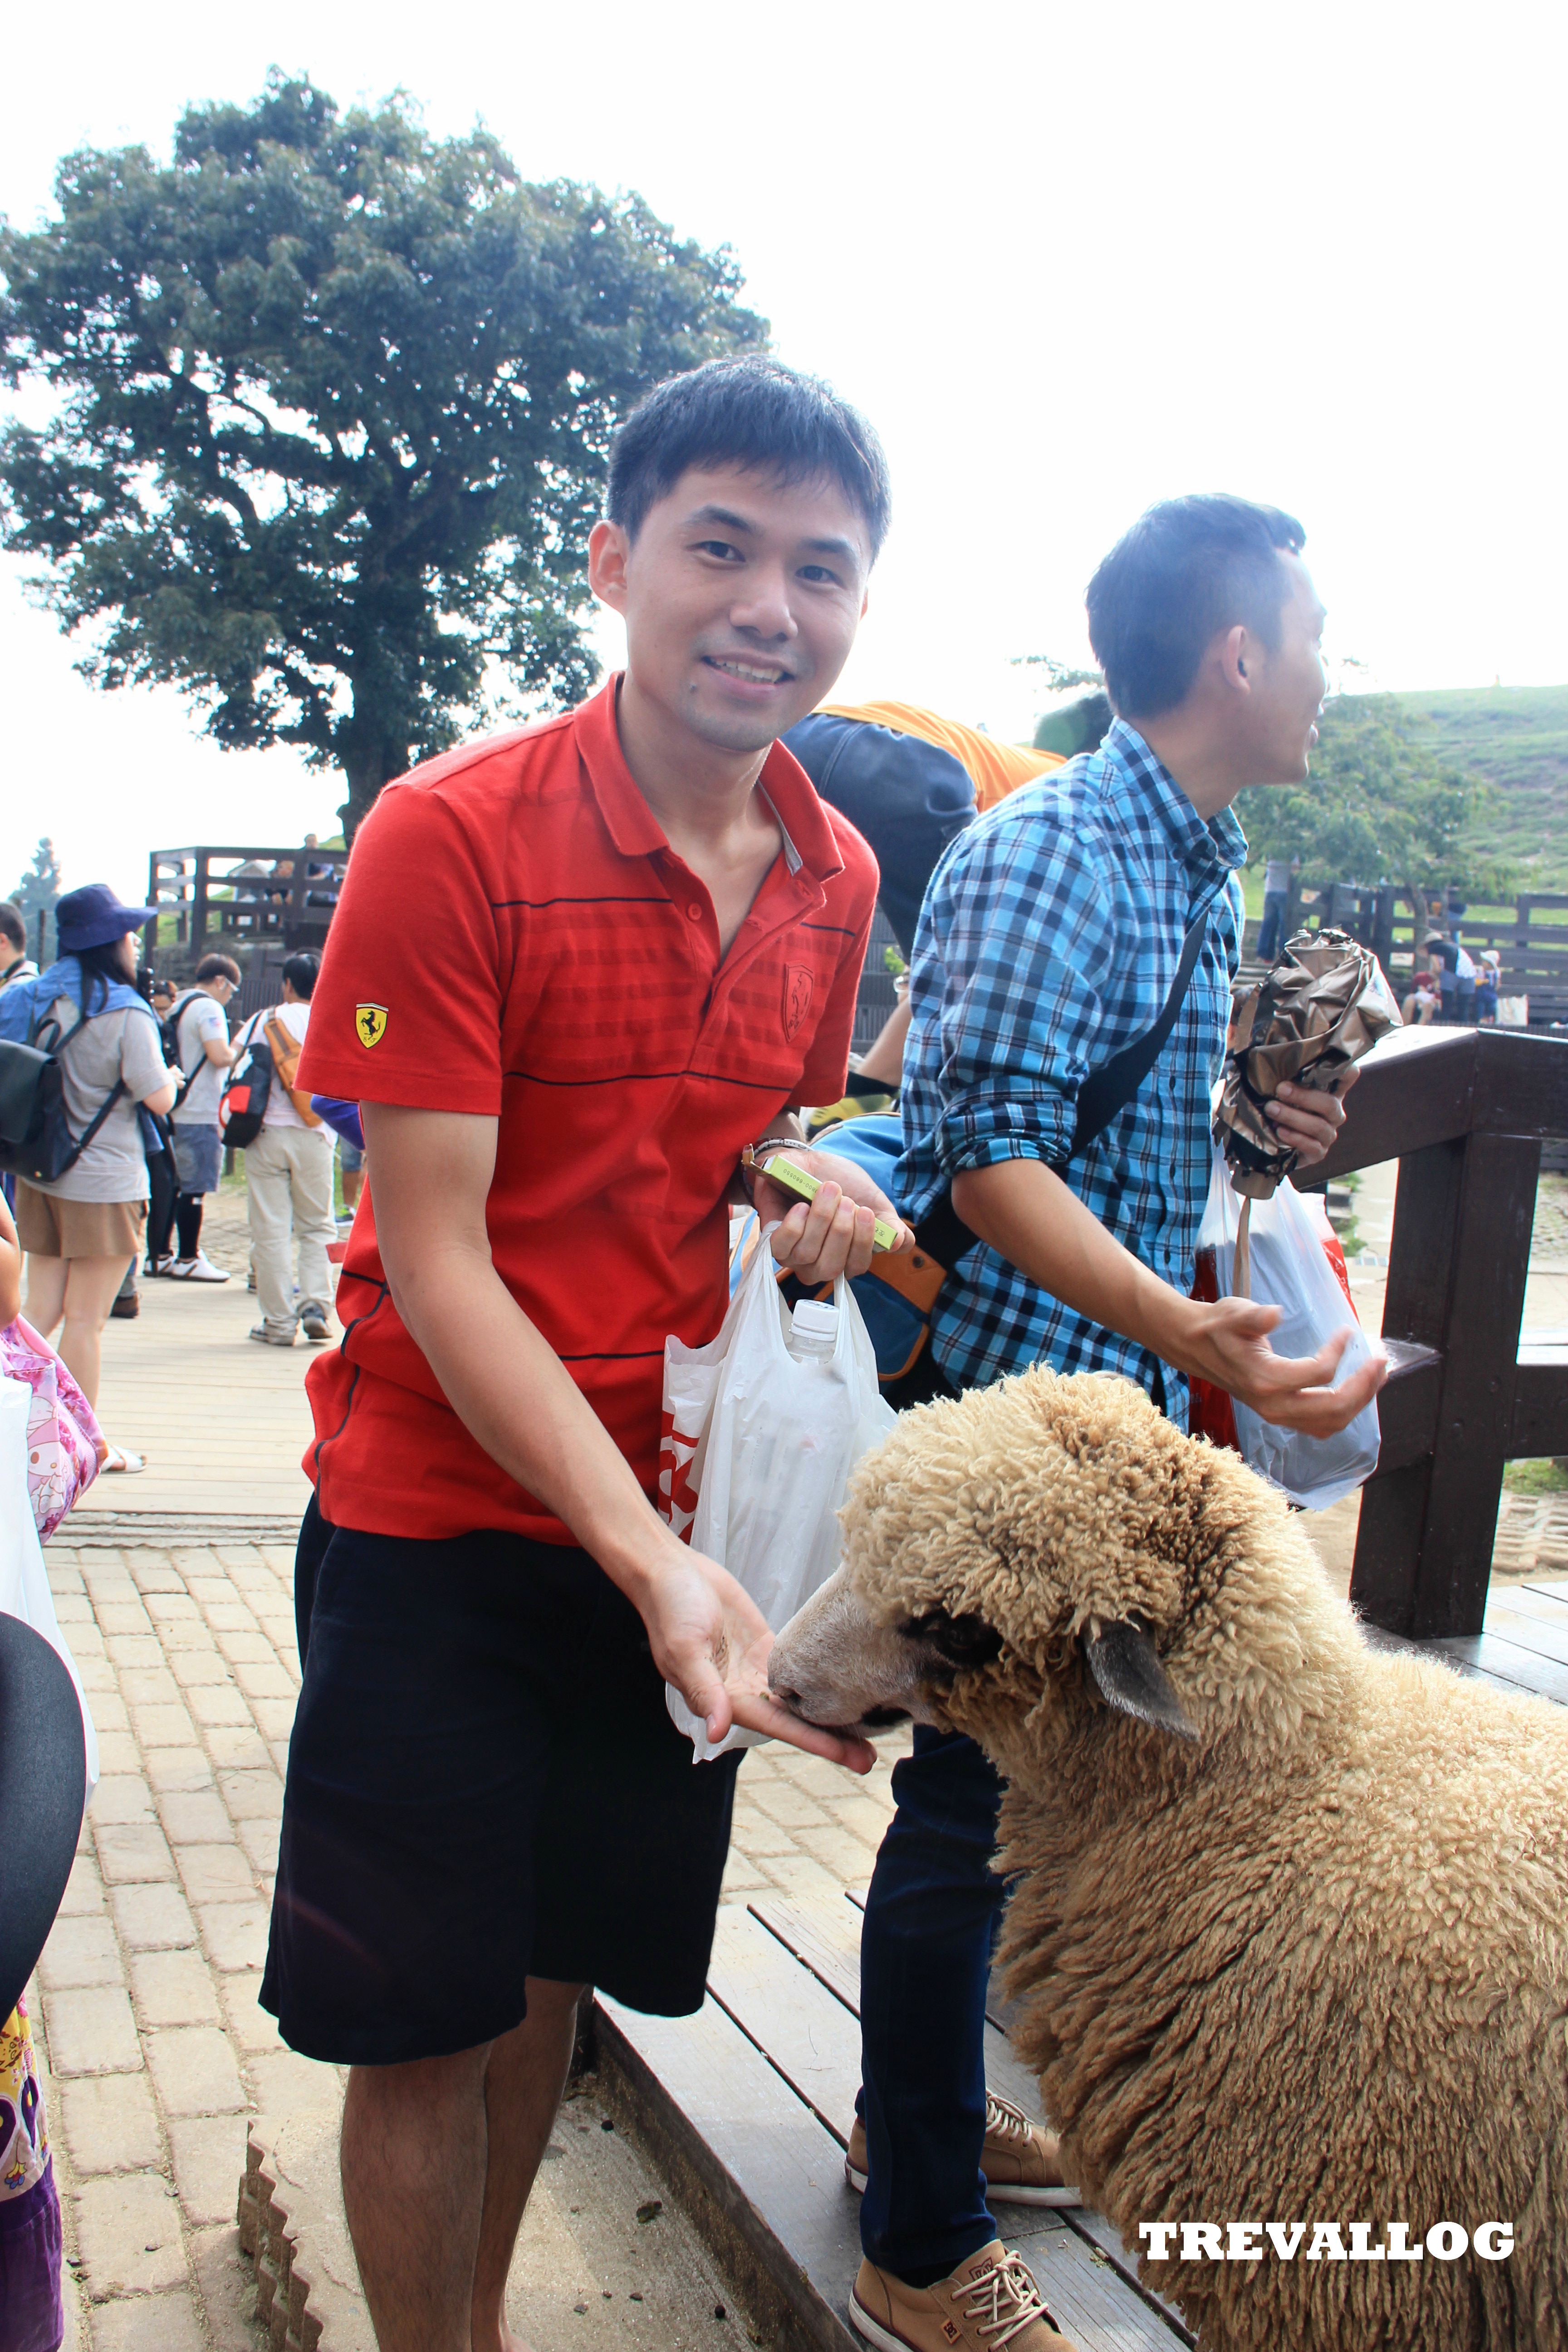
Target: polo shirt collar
1196	845
809	840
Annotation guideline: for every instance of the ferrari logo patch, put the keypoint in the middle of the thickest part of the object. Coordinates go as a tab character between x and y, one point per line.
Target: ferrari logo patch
797	993
369	1023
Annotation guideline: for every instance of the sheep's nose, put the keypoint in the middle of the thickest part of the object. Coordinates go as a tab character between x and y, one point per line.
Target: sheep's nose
786	1698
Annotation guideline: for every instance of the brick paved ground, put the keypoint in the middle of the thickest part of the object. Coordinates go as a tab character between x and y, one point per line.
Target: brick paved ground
146	1992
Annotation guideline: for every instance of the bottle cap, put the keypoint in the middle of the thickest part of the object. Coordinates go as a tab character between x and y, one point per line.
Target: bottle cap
815	1319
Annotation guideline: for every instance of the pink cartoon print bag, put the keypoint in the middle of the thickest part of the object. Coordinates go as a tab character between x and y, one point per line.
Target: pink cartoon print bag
65	1447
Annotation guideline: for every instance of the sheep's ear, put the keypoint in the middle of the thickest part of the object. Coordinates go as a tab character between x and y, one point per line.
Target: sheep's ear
961	1642
1131	1678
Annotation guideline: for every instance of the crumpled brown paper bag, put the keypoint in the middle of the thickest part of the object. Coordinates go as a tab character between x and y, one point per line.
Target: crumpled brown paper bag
1318	1011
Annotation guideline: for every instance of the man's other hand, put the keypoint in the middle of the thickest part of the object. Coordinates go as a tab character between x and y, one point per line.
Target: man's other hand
819	1240
1230	1346
711	1641
1308	1122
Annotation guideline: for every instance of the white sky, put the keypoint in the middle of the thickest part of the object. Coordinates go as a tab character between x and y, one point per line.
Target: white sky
1069	259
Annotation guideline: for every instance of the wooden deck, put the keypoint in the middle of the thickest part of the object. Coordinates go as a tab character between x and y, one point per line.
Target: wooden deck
747	2108
1523	1645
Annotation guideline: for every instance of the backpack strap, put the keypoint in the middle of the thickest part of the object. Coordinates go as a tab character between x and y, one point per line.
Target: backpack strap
176	1014
942	1233
1106	1092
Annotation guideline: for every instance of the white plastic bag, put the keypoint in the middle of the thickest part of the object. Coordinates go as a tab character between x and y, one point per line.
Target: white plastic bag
760	1432
24	1579
1290	1269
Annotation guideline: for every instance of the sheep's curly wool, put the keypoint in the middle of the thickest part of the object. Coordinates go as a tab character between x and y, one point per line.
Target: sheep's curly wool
1312	1966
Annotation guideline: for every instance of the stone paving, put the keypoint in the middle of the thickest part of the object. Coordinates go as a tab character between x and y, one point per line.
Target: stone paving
146	1994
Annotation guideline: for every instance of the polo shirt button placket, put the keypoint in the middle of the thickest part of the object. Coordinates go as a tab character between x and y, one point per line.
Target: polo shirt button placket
695	911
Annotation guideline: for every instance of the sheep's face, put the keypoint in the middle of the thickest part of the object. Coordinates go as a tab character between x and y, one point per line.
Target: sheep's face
1048	1540
836	1665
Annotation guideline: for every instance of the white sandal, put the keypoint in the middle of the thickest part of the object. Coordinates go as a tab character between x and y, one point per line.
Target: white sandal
126	1465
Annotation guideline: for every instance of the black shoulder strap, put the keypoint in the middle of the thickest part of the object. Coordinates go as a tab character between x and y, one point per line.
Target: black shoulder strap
1105	1092
942	1233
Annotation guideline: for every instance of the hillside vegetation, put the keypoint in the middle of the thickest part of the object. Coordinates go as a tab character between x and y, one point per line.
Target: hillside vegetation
1516	737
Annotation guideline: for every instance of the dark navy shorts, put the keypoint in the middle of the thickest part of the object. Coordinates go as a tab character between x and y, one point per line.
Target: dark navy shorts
484	1785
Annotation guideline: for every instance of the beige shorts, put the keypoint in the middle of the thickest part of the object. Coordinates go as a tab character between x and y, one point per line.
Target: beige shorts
49	1227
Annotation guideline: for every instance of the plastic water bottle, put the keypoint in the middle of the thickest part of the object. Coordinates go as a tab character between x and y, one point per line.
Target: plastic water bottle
814	1329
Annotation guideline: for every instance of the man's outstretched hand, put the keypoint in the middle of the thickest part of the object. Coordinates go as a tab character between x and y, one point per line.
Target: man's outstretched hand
1229	1345
711	1641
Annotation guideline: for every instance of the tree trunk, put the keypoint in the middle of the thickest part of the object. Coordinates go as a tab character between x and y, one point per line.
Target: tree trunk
368	768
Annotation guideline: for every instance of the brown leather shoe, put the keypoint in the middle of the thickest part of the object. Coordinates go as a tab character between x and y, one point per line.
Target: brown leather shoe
1022	2164
990	2304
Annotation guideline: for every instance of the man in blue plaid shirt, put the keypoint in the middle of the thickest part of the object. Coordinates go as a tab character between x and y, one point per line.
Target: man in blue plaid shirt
1048	941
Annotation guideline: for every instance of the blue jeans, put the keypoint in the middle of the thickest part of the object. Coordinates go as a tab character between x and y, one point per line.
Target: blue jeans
925	1959
1271	934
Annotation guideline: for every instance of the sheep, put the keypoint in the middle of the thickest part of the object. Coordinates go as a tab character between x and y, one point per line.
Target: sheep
1287	1924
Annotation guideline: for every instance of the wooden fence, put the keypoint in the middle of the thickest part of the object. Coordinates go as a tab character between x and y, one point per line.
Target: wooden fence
285	896
1534	953
1464	1111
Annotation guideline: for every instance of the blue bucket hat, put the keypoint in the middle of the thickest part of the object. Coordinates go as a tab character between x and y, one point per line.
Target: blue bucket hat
92	917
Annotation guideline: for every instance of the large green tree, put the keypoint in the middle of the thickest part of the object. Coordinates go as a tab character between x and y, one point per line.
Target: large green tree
333	407
1382	805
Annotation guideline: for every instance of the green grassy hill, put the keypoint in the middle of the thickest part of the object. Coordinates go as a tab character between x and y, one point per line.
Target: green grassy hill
1516	737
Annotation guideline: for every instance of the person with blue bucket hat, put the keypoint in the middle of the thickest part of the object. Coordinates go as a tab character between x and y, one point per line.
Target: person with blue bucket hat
82	1227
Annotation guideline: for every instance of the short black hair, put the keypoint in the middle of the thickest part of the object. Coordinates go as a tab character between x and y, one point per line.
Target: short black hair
300	971
13	925
755	413
218	967
1186	570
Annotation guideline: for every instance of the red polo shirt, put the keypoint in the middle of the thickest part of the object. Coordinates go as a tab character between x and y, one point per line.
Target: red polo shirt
567	980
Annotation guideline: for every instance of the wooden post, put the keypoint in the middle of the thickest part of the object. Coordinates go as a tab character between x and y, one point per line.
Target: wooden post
1456	1272
1381	940
150	930
199	901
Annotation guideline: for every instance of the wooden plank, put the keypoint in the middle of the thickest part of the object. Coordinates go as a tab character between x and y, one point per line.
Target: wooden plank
1542	1629
760	2178
814	1937
1105	2240
1090	2300
806	2031
1454	1655
1415	1091
1508	1662
1550	1588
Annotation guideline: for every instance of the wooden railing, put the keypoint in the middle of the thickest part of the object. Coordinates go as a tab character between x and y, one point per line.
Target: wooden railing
1464	1112
259	892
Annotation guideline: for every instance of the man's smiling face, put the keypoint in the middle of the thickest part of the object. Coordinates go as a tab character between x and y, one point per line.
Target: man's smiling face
740	596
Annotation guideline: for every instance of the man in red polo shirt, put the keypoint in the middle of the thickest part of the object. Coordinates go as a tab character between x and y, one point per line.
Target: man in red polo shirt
643	939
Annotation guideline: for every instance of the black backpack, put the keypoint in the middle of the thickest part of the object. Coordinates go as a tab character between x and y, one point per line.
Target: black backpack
243	1103
35	1141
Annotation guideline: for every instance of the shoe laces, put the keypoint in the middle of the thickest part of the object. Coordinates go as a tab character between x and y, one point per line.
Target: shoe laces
1006	2299
1004	2121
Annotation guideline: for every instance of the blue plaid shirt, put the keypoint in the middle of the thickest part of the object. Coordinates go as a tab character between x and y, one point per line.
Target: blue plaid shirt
1048	941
